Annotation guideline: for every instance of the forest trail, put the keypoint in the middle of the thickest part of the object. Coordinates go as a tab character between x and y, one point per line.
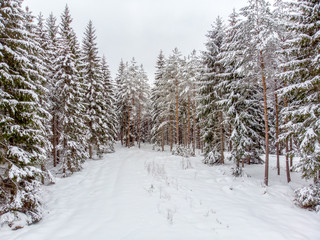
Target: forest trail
141	194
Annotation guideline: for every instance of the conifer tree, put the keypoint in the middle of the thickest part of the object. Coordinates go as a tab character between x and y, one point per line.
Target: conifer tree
211	112
95	102
51	56
241	99
303	81
158	104
73	131
110	119
257	34
22	140
120	101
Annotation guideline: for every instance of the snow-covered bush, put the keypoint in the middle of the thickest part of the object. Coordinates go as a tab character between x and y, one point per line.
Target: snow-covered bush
309	197
183	151
212	157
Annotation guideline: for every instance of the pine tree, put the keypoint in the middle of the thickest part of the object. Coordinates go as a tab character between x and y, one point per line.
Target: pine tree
142	102
158	105
22	140
73	132
211	112
51	56
257	34
173	77
96	109
303	81
110	119
241	99
120	101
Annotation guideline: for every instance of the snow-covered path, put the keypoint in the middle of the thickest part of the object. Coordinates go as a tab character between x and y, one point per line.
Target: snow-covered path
142	194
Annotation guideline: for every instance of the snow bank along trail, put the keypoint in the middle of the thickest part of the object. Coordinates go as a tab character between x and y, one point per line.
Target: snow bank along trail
142	194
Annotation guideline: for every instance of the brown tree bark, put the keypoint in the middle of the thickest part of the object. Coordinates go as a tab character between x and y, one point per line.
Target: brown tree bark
54	140
139	122
177	111
90	142
277	126
162	138
128	130
287	145
266	173
194	120
188	133
291	154
221	136
170	135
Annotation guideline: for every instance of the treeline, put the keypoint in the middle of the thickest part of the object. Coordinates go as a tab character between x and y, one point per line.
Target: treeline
57	106
253	91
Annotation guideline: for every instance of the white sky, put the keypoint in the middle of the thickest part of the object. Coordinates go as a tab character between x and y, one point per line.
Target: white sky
140	28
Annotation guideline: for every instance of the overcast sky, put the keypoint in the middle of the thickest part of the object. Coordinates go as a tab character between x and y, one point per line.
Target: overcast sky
140	28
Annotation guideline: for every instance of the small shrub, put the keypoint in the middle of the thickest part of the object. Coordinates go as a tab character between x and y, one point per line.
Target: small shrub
309	197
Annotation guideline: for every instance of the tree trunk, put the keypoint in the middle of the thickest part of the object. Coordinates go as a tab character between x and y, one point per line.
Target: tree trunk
194	120
177	112
188	134
54	140
277	127
266	173
162	138
139	122
287	147
90	141
170	134
291	154
128	131
221	136
230	142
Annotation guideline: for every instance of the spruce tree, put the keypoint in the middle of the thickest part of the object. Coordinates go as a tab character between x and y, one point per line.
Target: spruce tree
95	102
158	105
211	112
302	78
110	119
241	99
23	137
73	131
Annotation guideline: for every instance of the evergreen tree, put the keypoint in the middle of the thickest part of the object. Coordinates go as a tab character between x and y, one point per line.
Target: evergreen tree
241	99
110	119
158	105
303	81
211	112
95	102
73	131
51	56
173	76
121	103
22	140
257	31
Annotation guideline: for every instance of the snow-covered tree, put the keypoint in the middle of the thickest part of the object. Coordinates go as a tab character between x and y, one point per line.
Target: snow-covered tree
51	55
159	105
110	119
256	33
302	76
22	139
73	131
96	109
242	98
210	93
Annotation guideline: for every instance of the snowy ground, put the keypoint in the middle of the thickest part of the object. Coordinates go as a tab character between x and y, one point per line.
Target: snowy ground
140	194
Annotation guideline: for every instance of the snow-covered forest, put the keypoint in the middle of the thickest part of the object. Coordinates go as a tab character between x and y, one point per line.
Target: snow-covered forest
253	93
